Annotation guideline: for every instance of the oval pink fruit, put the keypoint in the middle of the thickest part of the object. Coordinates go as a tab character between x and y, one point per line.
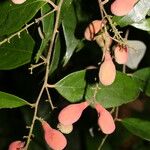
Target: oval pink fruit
107	72
93	28
16	145
121	54
18	1
105	120
54	138
122	7
71	113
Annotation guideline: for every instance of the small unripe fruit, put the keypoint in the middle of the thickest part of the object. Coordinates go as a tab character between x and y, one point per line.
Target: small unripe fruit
54	138
93	28
71	113
121	54
18	1
122	7
105	120
16	145
107	72
66	129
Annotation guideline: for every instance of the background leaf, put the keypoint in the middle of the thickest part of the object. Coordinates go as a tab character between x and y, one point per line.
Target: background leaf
138	127
11	101
143	77
17	52
47	24
69	25
137	14
64	10
143	25
15	16
74	87
136	51
56	55
123	90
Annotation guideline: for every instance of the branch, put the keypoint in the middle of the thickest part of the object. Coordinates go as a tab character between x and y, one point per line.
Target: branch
46	73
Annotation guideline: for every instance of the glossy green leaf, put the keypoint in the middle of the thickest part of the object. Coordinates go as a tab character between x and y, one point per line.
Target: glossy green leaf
16	53
56	55
137	14
69	25
15	16
72	86
47	23
64	10
75	86
138	127
143	25
122	91
11	101
142	76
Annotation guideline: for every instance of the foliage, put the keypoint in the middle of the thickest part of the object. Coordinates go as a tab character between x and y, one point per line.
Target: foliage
47	37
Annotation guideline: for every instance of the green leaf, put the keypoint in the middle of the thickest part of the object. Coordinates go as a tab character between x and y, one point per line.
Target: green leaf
15	16
69	25
75	87
143	25
142	76
122	91
64	9
16	53
72	86
138	127
137	14
147	92
11	101
47	23
56	55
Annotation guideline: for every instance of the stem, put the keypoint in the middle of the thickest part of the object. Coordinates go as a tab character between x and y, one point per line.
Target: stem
116	113
102	142
115	30
49	99
51	3
34	117
46	73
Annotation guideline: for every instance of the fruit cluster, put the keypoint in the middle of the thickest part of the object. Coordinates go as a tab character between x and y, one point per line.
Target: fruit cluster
97	31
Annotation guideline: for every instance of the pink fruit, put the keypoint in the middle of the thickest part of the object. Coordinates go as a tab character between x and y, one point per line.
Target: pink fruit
18	1
93	28
105	120
107	72
54	138
122	7
71	113
16	145
121	54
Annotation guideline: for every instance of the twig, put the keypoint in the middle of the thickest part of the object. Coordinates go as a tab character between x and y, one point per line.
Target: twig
103	141
35	66
46	73
51	3
49	99
116	113
115	30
